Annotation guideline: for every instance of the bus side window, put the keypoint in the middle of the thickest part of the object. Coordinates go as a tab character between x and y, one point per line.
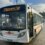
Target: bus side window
34	19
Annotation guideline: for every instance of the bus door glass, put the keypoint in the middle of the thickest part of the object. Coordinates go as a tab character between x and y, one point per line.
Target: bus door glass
30	23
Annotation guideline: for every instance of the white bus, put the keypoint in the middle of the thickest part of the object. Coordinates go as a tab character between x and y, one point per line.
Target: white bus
19	23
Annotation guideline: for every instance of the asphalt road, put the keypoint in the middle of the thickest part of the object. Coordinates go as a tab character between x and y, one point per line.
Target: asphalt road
39	40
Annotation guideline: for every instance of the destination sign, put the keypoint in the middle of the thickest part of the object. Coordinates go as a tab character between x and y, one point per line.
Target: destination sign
13	8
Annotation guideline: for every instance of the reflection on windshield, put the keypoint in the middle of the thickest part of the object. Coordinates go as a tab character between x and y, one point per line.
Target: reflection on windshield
15	20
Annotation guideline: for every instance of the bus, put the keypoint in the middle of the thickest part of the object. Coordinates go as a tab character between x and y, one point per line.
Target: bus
19	23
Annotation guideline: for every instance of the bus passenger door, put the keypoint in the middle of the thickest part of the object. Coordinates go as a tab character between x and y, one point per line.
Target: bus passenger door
30	24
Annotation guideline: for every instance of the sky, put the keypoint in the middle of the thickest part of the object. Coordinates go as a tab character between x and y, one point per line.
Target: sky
35	1
32	1
39	5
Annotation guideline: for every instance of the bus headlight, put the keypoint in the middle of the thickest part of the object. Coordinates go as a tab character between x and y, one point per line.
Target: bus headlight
21	34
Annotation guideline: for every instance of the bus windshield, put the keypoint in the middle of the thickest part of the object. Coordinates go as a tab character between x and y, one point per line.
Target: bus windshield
13	17
13	20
